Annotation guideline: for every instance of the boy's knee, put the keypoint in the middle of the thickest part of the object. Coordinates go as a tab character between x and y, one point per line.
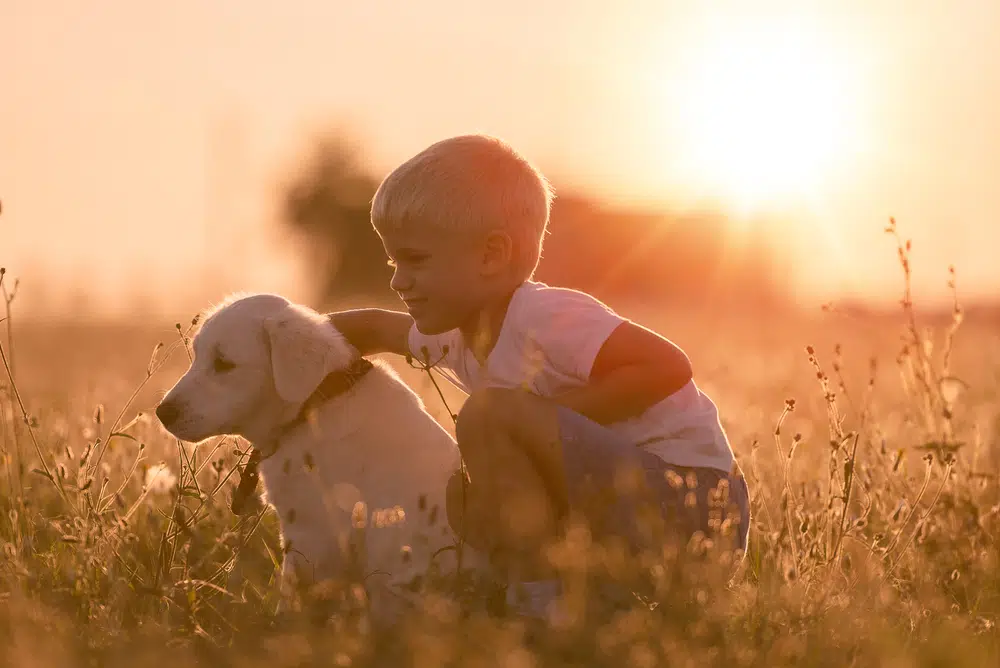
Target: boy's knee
487	409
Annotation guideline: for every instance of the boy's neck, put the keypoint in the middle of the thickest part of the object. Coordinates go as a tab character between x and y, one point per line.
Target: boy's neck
481	334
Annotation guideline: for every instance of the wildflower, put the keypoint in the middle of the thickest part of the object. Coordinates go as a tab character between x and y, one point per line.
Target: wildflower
160	479
359	515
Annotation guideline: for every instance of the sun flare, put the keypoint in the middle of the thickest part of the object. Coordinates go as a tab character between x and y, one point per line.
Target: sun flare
765	113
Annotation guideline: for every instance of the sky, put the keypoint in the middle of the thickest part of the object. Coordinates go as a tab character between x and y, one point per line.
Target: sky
143	144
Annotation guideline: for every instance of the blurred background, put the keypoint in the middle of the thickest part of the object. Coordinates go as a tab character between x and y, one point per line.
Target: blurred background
156	156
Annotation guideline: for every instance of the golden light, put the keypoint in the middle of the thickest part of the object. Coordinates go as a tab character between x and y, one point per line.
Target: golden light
765	112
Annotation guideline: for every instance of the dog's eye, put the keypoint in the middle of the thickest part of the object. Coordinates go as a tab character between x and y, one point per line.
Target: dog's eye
222	365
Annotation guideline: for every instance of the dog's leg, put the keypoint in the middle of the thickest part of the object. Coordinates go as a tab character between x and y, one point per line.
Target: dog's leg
294	580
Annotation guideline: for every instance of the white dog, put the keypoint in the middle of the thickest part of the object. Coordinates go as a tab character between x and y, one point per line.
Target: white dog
361	482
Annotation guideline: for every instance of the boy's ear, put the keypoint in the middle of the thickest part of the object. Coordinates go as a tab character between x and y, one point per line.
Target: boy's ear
498	251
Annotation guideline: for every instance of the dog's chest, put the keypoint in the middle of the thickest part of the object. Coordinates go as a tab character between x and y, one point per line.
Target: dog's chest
307	481
323	484
316	494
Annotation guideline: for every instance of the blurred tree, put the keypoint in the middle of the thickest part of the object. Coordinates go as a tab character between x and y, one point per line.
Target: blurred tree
328	205
618	254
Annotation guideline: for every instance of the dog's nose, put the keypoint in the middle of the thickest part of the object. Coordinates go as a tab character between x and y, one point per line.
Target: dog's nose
167	412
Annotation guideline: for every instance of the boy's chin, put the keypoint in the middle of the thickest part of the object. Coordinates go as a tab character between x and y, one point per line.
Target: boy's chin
431	326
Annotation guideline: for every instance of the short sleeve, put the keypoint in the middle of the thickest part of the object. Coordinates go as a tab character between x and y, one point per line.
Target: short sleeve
569	328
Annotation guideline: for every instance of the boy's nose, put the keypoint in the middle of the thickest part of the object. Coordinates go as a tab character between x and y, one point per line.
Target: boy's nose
400	281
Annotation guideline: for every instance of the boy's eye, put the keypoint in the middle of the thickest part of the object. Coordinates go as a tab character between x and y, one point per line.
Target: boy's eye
222	365
410	259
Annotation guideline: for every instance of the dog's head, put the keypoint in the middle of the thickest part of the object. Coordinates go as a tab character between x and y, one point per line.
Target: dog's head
256	360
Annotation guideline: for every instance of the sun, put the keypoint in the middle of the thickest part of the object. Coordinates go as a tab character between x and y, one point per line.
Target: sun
765	113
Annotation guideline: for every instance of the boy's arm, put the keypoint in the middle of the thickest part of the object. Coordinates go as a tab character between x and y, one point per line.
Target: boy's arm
373	330
634	370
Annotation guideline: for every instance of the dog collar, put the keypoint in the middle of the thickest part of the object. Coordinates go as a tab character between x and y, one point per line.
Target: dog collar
332	386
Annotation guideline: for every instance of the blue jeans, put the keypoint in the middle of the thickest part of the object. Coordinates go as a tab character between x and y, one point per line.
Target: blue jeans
688	499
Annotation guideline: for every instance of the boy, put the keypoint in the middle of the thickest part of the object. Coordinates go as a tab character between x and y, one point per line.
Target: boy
564	394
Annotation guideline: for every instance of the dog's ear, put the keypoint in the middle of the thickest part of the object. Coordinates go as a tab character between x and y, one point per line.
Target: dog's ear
301	353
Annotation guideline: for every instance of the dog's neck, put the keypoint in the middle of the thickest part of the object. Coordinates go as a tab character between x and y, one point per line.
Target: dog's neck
333	385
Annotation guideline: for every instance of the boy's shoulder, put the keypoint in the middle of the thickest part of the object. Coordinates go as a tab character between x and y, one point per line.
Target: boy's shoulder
540	301
564	327
543	311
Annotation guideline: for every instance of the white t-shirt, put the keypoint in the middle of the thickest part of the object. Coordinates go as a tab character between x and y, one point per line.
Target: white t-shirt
547	345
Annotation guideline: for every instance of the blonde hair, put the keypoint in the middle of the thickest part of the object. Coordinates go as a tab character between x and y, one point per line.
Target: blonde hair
472	183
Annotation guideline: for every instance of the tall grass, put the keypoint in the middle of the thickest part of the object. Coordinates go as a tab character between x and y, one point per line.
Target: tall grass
874	538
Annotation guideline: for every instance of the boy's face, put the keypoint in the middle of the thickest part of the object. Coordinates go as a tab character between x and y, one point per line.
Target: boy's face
439	276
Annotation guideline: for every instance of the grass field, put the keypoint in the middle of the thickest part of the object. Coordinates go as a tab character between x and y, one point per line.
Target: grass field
872	463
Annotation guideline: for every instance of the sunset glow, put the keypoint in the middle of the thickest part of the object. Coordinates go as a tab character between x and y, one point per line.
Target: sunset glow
767	114
803	125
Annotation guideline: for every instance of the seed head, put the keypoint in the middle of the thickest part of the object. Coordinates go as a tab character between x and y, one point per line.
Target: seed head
359	515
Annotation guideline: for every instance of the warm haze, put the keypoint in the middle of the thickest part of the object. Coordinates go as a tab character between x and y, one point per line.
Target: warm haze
139	140
713	161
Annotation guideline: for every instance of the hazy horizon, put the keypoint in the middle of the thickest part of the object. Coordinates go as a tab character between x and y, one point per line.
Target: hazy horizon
142	147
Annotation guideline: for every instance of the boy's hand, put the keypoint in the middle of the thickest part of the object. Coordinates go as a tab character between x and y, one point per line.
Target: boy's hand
634	370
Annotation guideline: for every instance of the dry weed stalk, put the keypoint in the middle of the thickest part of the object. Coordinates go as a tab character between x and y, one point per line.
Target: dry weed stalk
857	563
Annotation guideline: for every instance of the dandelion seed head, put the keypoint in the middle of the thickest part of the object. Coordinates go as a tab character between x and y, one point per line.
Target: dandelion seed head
159	479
